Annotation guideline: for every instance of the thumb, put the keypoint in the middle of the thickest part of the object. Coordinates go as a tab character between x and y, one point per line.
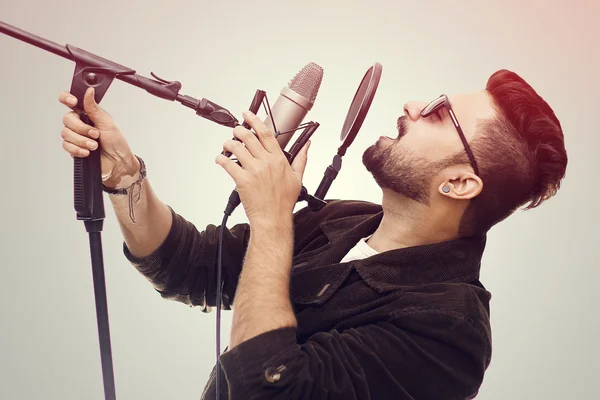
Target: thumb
299	163
93	109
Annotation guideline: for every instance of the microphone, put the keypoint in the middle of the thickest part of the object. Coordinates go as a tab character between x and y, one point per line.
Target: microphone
294	102
288	112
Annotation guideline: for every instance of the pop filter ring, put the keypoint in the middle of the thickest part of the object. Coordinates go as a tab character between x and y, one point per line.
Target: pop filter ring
348	135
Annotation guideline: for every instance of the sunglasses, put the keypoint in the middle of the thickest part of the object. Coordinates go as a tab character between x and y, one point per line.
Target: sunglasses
442	102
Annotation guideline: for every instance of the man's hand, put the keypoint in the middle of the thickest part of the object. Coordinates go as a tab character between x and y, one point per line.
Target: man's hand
117	161
267	184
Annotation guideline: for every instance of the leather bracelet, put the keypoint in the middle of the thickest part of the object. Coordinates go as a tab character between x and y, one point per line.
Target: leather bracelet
124	191
134	197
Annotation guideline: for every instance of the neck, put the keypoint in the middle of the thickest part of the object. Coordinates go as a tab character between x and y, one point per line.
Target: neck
407	223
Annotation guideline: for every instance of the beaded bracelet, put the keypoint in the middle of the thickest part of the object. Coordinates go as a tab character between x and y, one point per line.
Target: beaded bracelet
134	196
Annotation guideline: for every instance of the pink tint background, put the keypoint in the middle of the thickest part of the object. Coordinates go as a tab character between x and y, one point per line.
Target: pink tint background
541	266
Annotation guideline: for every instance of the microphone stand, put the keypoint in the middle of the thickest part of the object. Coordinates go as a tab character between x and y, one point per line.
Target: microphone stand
97	72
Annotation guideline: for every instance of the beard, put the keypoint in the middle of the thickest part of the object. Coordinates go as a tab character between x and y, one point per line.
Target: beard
402	172
405	174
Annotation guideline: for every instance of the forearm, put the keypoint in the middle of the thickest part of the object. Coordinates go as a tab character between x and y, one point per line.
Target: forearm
262	302
153	218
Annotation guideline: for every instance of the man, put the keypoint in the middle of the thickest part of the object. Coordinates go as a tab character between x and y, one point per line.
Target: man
358	300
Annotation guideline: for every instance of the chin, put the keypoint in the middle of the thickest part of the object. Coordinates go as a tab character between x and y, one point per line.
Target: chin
374	156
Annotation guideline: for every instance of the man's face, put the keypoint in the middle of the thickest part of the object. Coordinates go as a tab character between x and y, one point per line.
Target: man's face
410	162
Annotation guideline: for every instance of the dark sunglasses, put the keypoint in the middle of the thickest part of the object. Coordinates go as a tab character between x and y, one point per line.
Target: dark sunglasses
434	107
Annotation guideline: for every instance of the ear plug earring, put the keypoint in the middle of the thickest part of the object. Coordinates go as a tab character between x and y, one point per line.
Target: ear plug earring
446	189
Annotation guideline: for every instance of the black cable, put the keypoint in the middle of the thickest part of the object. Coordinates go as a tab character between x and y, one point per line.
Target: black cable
232	203
218	303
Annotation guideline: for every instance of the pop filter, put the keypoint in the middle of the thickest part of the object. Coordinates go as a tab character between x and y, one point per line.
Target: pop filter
354	119
360	106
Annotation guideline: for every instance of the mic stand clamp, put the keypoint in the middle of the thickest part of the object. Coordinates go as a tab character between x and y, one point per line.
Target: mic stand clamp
314	203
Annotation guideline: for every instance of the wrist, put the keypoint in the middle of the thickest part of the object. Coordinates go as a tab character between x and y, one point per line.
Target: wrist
124	174
272	223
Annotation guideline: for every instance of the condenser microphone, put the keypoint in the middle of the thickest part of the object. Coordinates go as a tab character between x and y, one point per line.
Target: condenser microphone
294	102
287	113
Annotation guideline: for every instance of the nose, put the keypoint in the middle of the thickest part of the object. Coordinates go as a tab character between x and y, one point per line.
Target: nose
413	109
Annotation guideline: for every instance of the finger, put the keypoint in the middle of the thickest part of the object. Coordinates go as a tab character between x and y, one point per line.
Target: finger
75	151
73	122
253	145
234	170
299	163
239	150
67	99
265	135
93	109
78	140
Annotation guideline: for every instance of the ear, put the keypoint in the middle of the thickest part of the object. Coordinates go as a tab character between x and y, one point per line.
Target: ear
464	186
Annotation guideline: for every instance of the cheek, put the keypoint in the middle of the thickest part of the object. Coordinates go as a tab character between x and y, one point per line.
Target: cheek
432	145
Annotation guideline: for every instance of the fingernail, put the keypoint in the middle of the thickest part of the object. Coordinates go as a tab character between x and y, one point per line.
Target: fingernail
71	100
94	133
246	113
91	145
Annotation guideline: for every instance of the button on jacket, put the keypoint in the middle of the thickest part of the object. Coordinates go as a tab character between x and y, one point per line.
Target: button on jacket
409	323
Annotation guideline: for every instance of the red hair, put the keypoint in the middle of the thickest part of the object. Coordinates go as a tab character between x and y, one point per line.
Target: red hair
521	154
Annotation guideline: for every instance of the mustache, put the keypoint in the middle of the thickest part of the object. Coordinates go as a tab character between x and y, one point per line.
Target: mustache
401	125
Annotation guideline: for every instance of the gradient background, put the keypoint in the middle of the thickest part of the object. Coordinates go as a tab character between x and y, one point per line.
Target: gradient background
541	266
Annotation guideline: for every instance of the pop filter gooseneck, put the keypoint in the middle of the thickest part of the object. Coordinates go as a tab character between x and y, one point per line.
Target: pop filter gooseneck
354	119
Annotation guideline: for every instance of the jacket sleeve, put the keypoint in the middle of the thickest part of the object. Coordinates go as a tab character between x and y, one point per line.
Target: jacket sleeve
184	267
393	359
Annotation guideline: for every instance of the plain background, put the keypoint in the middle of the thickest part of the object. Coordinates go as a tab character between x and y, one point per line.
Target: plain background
541	266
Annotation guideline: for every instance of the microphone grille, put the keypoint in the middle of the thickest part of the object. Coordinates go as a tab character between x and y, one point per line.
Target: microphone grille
308	81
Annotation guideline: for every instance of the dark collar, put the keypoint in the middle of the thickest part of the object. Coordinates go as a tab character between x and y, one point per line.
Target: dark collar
452	261
447	262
